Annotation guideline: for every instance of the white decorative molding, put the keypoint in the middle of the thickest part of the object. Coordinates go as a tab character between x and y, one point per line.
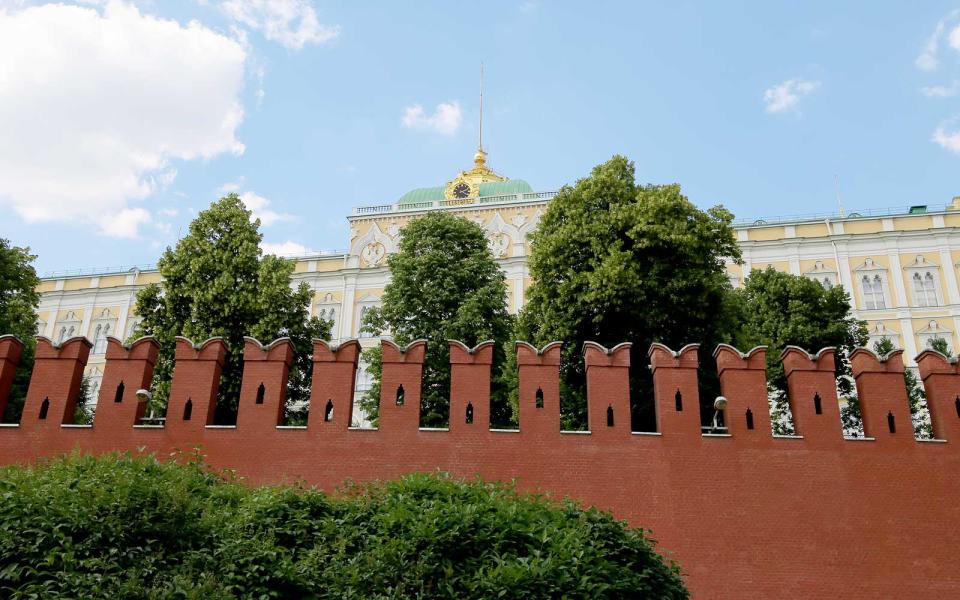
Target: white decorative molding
935	330
879	331
822	274
372	247
872	280
924	279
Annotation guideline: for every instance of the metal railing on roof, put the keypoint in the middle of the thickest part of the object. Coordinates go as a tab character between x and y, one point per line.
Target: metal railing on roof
93	271
453	203
853	214
126	269
317	254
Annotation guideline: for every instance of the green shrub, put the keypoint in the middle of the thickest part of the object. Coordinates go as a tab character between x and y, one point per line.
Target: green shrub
125	527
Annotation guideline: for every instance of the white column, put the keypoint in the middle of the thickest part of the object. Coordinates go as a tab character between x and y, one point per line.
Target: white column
121	332
87	316
847	277
518	294
950	274
347	307
794	265
745	256
896	274
909	340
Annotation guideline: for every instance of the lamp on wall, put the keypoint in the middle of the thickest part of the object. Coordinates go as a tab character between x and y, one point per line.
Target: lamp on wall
144	395
719	405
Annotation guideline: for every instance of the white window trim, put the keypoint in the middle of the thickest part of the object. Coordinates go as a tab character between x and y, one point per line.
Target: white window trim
879	332
923	267
66	328
934	330
105	320
363	305
871	269
823	274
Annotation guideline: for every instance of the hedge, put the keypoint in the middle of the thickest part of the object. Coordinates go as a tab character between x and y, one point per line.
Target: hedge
121	526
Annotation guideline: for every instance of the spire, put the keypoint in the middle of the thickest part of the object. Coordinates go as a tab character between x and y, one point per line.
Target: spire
480	158
480	144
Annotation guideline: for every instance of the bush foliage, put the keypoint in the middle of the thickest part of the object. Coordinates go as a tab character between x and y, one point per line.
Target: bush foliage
135	527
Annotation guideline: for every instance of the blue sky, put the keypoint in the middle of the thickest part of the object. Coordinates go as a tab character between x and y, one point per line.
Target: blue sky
123	119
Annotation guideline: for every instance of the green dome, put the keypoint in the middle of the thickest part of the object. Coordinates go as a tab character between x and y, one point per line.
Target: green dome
493	188
502	188
422	195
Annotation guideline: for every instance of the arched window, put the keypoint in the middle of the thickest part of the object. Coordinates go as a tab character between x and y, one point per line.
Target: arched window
872	289
924	289
100	338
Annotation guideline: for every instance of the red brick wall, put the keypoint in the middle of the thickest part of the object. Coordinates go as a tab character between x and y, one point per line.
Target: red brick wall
747	515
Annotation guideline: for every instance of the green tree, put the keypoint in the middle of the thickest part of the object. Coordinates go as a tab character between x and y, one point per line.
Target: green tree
216	283
940	345
445	285
613	261
916	397
19	299
83	411
778	310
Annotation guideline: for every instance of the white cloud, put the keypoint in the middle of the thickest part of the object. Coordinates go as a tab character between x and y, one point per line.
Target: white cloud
929	59
256	203
125	223
786	96
946	138
169	212
96	102
287	248
292	23
941	91
446	118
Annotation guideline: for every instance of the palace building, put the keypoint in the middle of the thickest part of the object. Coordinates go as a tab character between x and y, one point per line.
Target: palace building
899	265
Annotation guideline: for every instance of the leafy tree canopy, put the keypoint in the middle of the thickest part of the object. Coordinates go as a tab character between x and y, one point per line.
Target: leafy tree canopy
779	310
121	527
445	285
615	261
216	283
19	299
916	397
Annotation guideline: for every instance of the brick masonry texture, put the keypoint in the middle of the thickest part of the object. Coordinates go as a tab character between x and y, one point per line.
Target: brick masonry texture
746	515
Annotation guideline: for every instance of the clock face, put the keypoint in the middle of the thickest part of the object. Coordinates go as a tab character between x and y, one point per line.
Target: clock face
461	190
